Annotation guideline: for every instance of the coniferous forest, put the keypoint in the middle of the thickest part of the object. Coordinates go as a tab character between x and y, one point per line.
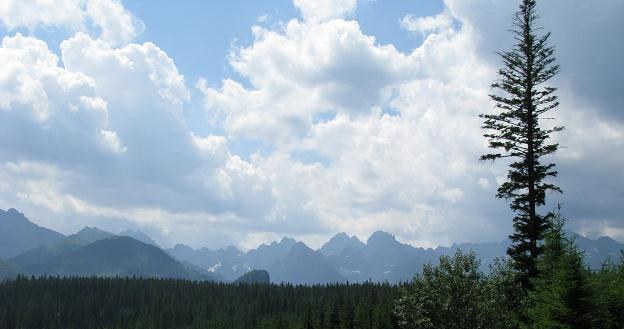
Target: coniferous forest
83	303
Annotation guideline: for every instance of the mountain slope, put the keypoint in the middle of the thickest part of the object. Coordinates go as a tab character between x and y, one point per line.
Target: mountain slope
33	258
597	251
227	262
383	258
302	265
18	234
118	256
266	255
8	270
138	235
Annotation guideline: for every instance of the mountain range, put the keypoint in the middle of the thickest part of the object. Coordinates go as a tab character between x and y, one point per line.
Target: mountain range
93	252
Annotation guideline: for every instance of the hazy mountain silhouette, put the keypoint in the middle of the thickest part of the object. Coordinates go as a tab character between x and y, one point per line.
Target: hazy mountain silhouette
18	234
138	235
339	243
33	259
266	255
381	258
302	265
226	262
596	251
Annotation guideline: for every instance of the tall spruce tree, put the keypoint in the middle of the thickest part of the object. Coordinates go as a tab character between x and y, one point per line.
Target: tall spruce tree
521	101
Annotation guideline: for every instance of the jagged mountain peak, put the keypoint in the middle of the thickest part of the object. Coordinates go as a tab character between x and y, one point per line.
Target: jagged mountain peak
381	237
18	234
339	243
13	211
287	241
13	215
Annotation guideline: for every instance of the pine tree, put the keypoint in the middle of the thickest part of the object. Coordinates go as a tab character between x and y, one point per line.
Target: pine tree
562	297
522	100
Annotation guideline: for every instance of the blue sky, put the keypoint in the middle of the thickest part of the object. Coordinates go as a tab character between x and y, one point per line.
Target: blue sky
216	123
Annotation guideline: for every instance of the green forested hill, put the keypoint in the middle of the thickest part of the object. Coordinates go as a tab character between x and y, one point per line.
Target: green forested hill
254	276
118	256
32	259
164	303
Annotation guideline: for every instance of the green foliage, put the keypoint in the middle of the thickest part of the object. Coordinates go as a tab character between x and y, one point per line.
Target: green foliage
566	294
562	294
522	101
164	303
607	286
453	294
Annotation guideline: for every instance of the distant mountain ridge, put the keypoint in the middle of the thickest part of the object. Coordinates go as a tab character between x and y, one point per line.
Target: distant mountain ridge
94	252
342	258
382	258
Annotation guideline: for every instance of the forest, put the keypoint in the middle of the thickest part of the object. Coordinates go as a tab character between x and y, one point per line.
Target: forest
83	303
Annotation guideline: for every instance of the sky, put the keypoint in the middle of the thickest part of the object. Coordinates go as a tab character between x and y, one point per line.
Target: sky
216	123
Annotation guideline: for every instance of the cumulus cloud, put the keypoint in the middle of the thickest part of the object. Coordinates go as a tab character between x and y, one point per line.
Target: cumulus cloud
429	24
118	26
316	11
33	14
301	72
115	24
383	171
60	110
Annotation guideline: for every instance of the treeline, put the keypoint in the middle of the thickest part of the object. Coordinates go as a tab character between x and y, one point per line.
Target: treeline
566	294
136	303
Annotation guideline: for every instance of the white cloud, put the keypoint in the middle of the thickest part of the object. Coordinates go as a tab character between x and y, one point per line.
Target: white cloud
130	72
32	14
46	111
117	24
429	24
402	173
114	24
304	71
111	140
315	11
